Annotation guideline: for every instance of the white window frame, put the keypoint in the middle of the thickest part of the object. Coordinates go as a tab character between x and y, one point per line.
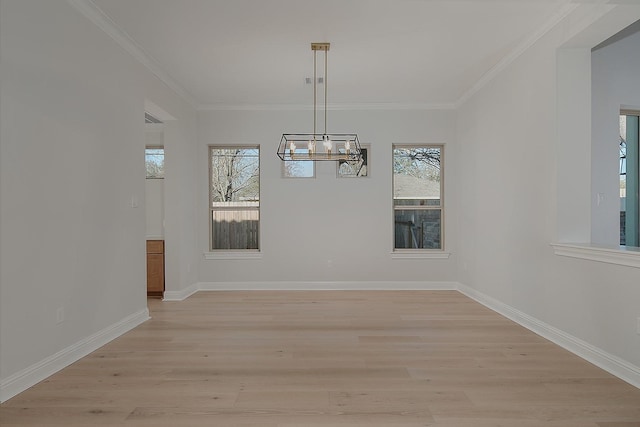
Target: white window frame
225	253
632	179
438	253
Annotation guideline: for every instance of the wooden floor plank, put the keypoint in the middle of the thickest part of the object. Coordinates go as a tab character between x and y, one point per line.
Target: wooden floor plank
328	358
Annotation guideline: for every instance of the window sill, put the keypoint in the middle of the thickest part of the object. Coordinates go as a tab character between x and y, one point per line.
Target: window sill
620	255
420	255
233	255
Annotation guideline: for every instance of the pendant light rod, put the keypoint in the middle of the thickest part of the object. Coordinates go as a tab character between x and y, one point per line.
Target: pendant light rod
337	146
315	47
315	91
326	85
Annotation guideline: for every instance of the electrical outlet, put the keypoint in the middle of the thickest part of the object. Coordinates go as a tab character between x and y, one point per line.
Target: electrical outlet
60	315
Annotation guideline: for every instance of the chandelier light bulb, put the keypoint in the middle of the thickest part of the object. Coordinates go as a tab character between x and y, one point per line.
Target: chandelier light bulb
328	145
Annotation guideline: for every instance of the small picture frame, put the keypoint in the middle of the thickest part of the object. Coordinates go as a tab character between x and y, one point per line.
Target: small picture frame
359	169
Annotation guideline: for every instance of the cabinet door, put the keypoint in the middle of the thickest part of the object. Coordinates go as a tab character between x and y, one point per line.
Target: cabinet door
155	246
155	274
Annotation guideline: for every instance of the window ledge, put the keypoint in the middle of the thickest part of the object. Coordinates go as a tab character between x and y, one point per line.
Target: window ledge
420	255
233	255
620	255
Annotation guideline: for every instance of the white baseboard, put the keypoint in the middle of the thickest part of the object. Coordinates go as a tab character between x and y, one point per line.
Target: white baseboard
22	380
326	286
309	286
30	376
610	363
181	294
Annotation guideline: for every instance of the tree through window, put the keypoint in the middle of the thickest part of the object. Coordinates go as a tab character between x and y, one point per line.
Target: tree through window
234	193
417	196
154	162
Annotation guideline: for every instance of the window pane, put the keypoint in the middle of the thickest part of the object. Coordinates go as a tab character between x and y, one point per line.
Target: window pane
154	161
235	197
416	176
235	229
299	169
352	169
235	175
418	229
629	180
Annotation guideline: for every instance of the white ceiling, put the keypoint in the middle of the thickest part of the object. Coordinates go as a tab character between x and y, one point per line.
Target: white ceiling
257	52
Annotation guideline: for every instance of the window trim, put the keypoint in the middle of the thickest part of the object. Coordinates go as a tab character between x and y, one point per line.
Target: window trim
408	253
233	253
228	254
632	207
366	149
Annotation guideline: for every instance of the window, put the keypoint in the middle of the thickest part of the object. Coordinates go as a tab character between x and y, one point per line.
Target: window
629	177
417	196
357	169
234	186
299	168
154	161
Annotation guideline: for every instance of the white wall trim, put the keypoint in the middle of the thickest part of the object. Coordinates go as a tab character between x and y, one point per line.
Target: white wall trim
328	286
22	380
30	376
420	255
106	24
248	254
610	363
311	286
622	255
332	107
181	294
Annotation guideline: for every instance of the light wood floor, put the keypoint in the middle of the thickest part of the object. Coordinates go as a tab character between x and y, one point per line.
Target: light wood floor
284	359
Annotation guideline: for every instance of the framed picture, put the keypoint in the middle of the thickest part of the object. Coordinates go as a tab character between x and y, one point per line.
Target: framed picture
359	169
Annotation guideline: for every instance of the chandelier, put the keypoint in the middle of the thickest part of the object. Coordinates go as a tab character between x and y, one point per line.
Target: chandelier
319	146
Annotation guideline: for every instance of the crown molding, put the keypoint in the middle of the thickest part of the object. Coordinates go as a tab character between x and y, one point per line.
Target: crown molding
331	107
106	24
516	52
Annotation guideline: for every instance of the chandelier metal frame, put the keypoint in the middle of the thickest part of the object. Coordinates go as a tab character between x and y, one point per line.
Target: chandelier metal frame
320	146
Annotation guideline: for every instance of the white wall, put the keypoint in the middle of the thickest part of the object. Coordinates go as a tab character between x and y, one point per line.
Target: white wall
306	223
510	151
71	158
154	207
154	189
71	161
180	203
616	84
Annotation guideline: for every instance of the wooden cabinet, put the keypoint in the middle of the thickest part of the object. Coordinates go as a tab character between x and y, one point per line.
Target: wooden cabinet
155	268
